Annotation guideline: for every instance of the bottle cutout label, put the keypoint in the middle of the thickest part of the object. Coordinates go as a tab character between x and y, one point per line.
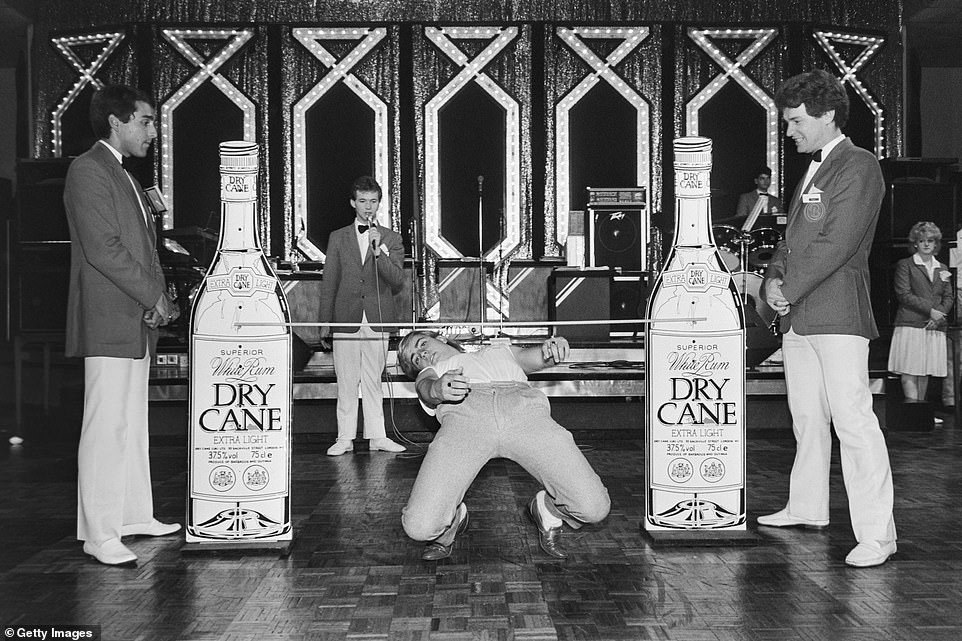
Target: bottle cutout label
697	391
241	420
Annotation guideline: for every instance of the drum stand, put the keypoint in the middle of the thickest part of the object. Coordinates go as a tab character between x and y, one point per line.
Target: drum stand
743	241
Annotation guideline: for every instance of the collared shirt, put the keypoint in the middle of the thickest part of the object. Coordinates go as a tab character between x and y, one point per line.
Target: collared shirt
120	158
930	267
826	150
363	239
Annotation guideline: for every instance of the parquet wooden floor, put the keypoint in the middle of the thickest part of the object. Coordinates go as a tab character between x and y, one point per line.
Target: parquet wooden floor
353	575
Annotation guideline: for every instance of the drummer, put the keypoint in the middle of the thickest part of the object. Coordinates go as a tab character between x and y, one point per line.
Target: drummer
757	202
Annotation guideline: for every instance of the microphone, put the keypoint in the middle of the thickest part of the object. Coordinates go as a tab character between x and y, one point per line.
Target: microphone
480	184
374	248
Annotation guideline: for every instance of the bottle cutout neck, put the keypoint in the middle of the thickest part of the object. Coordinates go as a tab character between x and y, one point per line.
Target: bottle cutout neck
692	208
238	213
238	227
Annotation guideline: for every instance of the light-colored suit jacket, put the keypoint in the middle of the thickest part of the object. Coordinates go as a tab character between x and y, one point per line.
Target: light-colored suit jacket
824	257
351	286
115	273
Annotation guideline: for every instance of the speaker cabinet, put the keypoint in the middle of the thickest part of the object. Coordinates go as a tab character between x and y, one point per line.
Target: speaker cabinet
459	290
912	201
618	238
528	290
42	281
628	300
578	295
303	292
40	211
404	299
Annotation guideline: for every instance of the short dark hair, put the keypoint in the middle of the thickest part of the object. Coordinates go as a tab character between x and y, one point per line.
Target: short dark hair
764	171
365	183
819	91
114	100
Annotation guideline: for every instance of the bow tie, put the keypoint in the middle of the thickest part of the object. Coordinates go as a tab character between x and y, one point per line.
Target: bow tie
817	156
363	228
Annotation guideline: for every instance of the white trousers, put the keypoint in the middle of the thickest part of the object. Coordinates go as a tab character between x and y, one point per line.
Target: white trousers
827	378
359	361
113	481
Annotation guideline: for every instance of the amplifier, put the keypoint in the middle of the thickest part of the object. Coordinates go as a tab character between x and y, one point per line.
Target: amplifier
576	294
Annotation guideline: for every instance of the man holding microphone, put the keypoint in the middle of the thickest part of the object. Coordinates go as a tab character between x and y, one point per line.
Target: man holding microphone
363	271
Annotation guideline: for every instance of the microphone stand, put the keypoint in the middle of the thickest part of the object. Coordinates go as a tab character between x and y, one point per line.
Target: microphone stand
481	301
501	333
415	294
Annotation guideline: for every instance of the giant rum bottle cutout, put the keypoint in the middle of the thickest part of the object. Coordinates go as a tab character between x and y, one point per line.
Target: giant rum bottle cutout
695	371
240	377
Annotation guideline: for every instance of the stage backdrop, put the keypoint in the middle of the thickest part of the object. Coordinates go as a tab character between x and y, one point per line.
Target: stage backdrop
484	121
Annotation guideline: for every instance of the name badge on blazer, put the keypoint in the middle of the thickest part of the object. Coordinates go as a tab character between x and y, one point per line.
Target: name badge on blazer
814	209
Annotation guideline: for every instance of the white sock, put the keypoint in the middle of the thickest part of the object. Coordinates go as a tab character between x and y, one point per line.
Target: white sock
550	520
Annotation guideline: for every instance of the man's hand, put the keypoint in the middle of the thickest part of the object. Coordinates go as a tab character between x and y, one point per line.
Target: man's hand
774	297
152	319
164	312
325	336
374	235
452	387
555	349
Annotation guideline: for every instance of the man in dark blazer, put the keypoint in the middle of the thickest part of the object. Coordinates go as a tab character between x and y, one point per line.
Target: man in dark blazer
749	202
818	281
116	302
363	270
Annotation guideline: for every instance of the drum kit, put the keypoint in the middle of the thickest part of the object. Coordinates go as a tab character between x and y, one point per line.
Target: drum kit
747	254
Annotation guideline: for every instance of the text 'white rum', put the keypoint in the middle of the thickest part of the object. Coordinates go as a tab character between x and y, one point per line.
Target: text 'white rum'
240	377
695	369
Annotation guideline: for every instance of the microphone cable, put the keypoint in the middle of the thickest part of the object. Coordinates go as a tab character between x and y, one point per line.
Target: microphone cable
385	344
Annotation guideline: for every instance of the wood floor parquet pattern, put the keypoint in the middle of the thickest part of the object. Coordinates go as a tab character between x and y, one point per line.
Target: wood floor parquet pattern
354	576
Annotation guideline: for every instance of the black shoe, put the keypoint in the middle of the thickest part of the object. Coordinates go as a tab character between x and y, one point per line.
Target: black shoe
440	548
548	538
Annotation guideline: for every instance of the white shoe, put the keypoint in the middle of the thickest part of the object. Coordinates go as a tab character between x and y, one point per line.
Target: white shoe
783	519
386	445
110	552
340	447
869	553
153	528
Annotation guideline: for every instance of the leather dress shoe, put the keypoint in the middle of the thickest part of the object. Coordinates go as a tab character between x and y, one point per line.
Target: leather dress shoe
549	538
154	528
783	519
110	552
869	553
440	548
386	445
340	447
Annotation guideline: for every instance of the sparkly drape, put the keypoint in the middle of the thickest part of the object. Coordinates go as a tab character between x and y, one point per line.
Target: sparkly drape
245	70
158	67
379	70
512	71
641	70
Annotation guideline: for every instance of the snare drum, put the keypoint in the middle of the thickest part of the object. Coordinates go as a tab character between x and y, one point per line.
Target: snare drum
727	241
762	247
